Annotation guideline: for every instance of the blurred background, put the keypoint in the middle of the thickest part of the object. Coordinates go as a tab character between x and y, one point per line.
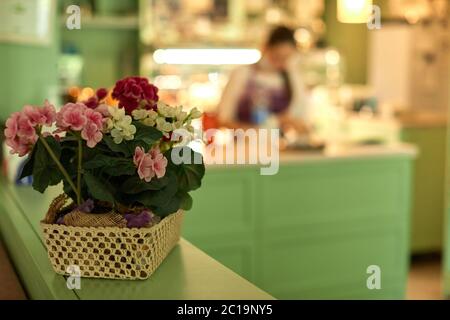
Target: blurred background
363	85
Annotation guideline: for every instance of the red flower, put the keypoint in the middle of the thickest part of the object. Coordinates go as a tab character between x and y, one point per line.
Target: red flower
101	93
134	92
94	102
91	103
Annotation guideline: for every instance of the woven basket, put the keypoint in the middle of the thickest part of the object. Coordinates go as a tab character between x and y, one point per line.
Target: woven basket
111	252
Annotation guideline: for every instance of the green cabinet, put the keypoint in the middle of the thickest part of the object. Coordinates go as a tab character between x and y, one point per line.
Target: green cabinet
446	275
312	230
428	195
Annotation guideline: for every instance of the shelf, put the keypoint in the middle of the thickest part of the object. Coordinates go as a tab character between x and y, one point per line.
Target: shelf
108	22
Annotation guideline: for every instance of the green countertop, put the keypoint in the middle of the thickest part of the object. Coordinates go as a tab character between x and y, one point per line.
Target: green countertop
187	273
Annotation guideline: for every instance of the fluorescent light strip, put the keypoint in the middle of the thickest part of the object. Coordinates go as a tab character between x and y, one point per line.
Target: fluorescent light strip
207	56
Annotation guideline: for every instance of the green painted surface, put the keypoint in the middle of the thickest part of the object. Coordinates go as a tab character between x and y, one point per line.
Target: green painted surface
26	249
28	74
351	41
108	54
186	274
312	230
428	196
447	222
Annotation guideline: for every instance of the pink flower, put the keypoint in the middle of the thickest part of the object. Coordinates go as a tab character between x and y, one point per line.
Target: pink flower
150	164
12	126
20	133
48	113
145	168
79	117
45	115
138	156
94	117
92	134
17	147
159	162
72	117
103	109
144	163
33	115
26	130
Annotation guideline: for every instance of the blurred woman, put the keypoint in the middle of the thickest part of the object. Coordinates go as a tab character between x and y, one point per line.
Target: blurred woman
271	87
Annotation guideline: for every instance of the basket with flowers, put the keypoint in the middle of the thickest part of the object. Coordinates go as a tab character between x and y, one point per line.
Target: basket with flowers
126	172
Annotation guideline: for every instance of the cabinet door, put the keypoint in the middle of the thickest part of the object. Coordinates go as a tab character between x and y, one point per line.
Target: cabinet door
428	194
221	222
447	224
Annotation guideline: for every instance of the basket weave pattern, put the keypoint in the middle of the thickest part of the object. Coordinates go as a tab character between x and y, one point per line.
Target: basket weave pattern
112	252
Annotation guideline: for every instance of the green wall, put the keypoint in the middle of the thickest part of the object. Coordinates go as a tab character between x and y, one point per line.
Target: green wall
108	54
428	196
351	40
447	224
28	74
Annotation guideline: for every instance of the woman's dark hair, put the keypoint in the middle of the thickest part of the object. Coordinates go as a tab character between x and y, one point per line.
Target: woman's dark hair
281	35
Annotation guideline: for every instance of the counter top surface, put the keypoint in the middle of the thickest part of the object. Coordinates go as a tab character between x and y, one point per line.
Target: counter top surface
187	273
351	152
423	120
330	153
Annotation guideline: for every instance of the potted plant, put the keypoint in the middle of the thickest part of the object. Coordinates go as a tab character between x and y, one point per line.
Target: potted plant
124	196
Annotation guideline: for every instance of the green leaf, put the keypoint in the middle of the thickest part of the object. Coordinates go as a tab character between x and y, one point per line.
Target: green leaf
147	134
186	201
112	166
120	148
189	174
67	188
170	207
98	188
29	165
135	185
45	170
160	197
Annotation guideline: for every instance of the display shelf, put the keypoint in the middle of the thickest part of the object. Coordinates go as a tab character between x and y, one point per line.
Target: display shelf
186	274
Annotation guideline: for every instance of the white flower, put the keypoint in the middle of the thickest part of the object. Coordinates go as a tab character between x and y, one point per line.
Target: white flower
163	126
116	113
181	116
124	122
166	111
190	128
121	125
108	125
178	124
149	122
147	117
140	114
195	113
117	136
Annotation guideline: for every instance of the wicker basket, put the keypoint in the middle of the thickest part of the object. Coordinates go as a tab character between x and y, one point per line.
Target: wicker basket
111	252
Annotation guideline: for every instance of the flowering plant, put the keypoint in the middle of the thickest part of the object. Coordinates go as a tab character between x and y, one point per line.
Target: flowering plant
116	155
